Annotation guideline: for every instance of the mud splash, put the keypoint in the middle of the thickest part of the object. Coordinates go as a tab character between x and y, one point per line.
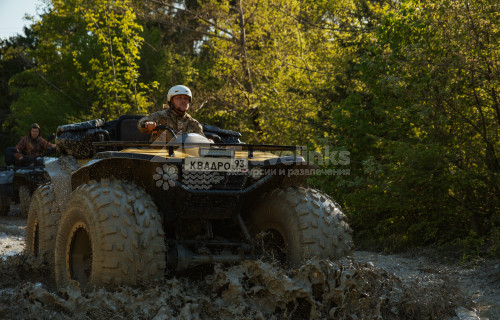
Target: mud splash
251	290
368	286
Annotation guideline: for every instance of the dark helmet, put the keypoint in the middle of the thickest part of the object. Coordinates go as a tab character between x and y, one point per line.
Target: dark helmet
34	126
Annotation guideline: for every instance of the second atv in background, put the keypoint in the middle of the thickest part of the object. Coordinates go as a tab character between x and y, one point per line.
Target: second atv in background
18	181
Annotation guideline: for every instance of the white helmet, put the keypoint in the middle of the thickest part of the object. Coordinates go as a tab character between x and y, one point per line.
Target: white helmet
179	89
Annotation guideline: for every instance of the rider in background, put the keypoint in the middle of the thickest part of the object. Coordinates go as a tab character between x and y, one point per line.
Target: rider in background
31	146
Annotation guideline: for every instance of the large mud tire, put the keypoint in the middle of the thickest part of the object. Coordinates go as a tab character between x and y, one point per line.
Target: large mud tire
305	223
41	227
110	234
24	200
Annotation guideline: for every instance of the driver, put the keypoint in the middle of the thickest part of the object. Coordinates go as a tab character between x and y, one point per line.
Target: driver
173	116
31	146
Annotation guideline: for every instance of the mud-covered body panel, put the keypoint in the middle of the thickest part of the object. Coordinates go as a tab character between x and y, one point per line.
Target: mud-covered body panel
146	168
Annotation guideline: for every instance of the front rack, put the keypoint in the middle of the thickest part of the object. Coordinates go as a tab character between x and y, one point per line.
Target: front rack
172	146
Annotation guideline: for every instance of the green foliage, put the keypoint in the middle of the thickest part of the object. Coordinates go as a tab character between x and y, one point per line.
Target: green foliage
113	72
9	67
264	65
47	90
34	104
81	63
427	119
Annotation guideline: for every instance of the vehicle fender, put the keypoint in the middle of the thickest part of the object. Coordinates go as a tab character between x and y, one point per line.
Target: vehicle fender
139	171
60	170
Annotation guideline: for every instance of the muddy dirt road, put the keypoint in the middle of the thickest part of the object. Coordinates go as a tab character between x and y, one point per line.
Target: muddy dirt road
367	286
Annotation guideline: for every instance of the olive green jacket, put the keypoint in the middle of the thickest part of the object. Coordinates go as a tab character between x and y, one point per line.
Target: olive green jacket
185	124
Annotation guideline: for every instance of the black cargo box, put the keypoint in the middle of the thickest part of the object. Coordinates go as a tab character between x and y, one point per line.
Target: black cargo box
76	139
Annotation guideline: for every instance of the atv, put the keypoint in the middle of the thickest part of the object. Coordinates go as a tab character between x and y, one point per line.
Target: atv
17	183
121	210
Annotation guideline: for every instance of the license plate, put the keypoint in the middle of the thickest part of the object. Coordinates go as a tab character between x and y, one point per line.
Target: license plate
216	164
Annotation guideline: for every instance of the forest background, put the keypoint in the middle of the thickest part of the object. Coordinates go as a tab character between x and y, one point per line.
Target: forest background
408	89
